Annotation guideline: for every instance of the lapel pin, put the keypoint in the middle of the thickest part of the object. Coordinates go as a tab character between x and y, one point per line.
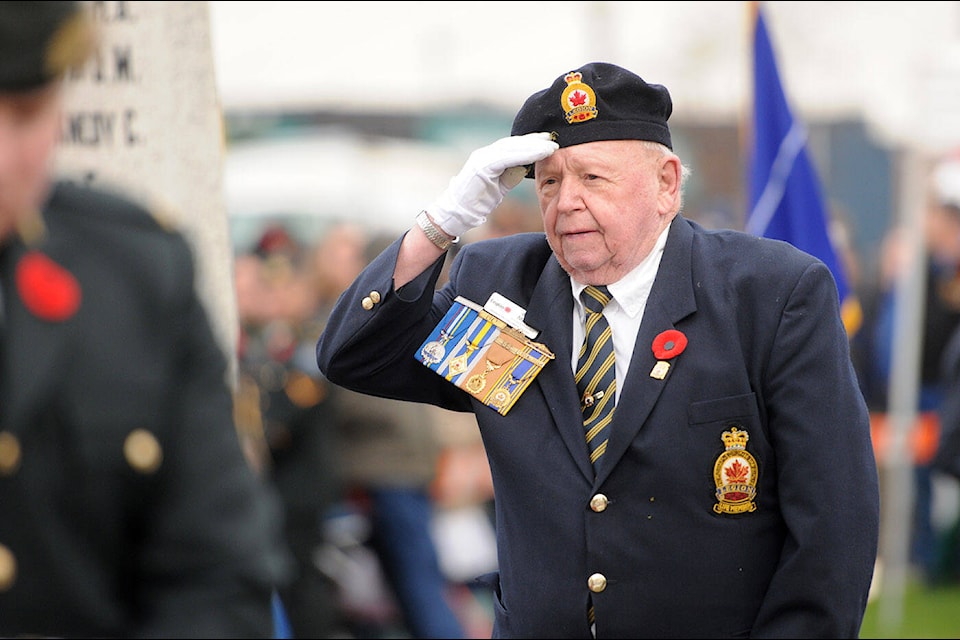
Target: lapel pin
668	344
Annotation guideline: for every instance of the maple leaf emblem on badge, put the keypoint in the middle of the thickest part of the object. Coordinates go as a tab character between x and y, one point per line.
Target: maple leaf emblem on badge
578	98
737	472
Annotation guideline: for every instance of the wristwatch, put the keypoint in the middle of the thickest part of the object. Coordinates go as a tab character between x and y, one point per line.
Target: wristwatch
438	238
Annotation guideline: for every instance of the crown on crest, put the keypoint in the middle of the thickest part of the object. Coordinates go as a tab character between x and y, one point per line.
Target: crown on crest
735	439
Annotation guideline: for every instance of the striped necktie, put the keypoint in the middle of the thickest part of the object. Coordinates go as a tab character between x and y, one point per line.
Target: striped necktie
596	374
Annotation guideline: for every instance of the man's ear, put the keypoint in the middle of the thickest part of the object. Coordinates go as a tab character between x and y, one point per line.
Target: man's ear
668	179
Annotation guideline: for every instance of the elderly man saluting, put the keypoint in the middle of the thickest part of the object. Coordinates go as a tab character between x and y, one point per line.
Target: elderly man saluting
677	440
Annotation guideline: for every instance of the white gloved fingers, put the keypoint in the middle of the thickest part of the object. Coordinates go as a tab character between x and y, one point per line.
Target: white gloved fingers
481	184
512	151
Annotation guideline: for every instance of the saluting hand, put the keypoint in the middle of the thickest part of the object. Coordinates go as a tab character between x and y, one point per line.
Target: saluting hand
489	173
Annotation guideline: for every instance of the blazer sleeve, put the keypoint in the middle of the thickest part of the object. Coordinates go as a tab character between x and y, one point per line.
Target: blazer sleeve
372	335
827	474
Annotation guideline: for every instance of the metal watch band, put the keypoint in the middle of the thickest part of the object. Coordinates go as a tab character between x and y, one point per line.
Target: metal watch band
437	237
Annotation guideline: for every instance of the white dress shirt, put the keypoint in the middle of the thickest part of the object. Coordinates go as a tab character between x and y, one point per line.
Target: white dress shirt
624	311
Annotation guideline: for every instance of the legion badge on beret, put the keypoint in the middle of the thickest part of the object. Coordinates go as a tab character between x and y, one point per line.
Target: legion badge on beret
578	100
598	101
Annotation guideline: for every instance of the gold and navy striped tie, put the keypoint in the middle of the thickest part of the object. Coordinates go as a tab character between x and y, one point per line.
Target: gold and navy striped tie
596	374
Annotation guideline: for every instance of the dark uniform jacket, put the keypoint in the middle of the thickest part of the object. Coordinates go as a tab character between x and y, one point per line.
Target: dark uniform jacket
766	354
126	505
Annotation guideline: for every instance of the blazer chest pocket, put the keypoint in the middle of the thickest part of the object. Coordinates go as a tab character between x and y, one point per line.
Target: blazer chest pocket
740	409
720	442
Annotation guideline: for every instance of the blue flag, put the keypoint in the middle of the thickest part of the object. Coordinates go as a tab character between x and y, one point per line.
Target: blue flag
785	195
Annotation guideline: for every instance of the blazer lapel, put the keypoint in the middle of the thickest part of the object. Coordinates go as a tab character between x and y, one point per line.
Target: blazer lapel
550	310
671	299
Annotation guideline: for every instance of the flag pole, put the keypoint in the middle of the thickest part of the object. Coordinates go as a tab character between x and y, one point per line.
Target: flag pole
897	463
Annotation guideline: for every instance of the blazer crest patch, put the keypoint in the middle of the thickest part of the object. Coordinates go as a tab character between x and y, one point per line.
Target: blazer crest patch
735	474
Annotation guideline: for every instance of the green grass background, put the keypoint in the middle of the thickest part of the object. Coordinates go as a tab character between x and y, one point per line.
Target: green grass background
928	612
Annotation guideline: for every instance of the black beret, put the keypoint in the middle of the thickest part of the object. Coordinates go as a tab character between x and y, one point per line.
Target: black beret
39	41
598	101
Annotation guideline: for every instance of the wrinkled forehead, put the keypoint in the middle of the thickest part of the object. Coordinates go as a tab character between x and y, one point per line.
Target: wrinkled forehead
600	154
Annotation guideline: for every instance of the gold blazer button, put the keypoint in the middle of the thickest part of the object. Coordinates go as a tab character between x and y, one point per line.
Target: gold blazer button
599	502
597	582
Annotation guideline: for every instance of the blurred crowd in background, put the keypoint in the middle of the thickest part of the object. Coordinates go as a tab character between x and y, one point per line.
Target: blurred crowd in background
389	503
933	542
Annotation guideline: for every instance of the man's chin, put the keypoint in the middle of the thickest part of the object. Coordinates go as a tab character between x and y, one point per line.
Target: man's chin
582	268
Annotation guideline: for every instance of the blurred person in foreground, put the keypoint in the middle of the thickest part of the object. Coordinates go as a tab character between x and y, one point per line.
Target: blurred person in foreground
128	507
735	491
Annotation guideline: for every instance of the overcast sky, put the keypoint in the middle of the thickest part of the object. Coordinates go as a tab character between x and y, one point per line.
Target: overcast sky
896	63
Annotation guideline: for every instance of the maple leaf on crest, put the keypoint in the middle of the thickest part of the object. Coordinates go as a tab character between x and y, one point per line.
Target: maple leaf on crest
737	472
578	98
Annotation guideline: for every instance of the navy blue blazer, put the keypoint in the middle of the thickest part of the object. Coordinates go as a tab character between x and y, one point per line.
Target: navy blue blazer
766	354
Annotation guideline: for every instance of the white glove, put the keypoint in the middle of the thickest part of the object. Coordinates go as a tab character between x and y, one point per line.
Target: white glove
489	173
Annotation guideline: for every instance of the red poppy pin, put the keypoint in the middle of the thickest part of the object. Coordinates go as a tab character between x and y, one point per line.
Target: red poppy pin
48	290
668	344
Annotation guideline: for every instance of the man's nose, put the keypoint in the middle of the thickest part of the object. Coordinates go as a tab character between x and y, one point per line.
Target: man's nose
570	195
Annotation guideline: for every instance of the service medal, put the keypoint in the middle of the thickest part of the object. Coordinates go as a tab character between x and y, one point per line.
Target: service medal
432	352
458	365
476	383
501	398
